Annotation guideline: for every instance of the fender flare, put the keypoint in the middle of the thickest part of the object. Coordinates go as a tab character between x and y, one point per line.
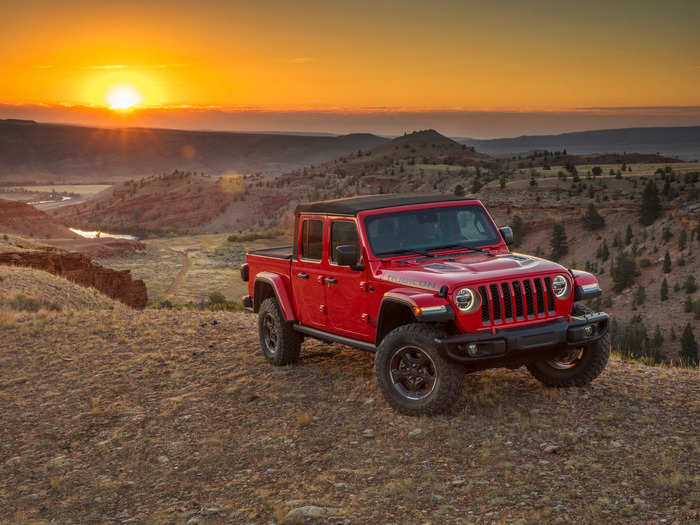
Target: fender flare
279	288
424	307
586	285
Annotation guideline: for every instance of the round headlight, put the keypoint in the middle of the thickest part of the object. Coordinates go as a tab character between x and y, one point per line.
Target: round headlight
560	286
467	300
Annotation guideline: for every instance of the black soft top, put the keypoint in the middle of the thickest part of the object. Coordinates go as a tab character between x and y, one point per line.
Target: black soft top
354	205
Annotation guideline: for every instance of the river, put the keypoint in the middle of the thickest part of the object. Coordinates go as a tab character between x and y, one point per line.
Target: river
93	235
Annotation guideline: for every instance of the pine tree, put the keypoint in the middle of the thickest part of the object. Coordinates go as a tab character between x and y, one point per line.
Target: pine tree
603	251
628	235
667	263
682	239
664	290
688	304
623	271
650	208
592	220
558	242
690	285
476	185
518	230
689	347
640	295
658	339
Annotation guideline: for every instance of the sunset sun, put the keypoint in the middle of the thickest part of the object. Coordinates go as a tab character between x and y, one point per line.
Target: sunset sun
123	97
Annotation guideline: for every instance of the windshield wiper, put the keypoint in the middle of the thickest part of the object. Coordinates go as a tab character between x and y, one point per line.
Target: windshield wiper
403	251
459	245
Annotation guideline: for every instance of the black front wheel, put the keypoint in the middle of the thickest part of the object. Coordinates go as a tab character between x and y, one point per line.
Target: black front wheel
412	375
280	343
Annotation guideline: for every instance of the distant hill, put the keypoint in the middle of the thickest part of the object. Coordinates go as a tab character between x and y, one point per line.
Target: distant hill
60	153
163	202
23	219
681	142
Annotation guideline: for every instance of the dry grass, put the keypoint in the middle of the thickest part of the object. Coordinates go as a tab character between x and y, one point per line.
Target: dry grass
111	416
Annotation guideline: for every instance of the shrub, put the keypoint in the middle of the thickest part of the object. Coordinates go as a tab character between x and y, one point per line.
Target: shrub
22	303
217	298
690	285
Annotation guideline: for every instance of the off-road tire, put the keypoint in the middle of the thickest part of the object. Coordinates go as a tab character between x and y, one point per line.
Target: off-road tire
449	376
285	348
590	365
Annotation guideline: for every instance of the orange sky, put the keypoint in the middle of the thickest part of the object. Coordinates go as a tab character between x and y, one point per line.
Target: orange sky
353	54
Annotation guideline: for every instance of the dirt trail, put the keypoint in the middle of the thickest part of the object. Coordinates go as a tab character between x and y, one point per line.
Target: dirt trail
181	274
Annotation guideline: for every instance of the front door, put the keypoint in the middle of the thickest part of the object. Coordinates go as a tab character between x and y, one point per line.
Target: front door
307	272
346	293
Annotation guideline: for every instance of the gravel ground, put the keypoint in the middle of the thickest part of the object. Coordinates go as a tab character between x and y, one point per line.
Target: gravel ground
174	417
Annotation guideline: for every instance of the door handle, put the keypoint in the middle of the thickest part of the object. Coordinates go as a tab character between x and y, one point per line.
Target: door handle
330	280
303	275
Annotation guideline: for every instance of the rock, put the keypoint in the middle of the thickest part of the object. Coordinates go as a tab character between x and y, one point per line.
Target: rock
544	462
163	460
59	461
192	521
458	480
13	462
306	514
551	449
210	511
368	433
416	433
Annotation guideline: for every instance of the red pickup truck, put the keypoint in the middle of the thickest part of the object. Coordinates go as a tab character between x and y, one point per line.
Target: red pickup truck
428	283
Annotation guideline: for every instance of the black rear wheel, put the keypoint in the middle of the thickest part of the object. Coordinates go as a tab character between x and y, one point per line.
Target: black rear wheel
574	366
280	343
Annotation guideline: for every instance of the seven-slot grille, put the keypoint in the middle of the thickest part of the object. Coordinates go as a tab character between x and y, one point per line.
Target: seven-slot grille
513	301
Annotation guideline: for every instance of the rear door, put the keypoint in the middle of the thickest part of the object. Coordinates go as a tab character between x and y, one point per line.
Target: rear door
346	293
307	276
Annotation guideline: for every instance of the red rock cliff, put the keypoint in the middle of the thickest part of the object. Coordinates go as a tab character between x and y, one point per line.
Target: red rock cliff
78	268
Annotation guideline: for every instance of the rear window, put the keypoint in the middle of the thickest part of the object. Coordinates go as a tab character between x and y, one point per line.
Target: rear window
312	239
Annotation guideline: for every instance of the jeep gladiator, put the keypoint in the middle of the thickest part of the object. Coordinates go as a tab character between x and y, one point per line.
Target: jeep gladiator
427	283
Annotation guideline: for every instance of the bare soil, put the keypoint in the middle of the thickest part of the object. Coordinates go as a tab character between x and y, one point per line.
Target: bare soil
171	416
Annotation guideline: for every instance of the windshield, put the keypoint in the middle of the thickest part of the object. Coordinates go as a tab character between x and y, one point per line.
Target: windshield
419	231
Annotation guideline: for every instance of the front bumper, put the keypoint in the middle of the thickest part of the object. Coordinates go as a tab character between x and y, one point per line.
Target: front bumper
518	345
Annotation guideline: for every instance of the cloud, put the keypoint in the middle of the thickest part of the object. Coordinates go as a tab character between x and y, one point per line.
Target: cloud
302	60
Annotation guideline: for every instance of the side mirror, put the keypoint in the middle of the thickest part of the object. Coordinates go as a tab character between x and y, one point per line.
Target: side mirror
346	254
507	234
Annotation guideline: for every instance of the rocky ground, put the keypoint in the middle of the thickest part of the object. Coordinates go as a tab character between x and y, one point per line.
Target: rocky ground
119	416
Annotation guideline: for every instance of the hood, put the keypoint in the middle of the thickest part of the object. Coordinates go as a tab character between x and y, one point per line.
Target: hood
465	269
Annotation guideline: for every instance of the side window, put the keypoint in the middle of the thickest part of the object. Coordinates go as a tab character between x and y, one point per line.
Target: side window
312	239
344	232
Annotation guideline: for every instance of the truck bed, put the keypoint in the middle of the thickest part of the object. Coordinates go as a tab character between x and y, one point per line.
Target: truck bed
282	252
